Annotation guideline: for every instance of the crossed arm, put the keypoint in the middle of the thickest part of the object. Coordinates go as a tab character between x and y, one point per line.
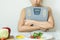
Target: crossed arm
24	25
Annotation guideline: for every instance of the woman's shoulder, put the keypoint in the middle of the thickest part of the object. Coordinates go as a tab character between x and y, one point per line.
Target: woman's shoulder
49	8
25	8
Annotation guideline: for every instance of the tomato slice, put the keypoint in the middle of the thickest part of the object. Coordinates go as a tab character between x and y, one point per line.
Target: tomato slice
38	37
32	37
3	39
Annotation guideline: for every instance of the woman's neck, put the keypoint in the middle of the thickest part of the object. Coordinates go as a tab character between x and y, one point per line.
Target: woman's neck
37	5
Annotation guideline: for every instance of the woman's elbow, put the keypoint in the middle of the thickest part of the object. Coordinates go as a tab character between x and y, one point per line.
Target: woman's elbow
20	29
51	26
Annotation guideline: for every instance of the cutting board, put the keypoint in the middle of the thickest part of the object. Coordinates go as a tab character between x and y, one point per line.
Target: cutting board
10	38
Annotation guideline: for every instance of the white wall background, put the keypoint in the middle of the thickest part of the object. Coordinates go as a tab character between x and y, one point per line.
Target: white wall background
10	12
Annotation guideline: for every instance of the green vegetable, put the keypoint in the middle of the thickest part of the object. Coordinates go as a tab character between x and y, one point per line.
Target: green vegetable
40	34
35	35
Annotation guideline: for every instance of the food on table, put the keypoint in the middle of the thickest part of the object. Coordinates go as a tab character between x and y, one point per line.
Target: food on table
2	39
20	36
36	35
41	39
32	37
5	33
9	30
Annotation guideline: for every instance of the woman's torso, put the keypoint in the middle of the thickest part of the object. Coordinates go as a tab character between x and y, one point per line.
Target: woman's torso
39	16
37	13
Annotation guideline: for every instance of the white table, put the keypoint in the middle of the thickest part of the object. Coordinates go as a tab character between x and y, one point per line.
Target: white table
55	34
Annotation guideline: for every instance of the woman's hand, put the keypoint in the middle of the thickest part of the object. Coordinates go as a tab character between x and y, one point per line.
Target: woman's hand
34	27
28	22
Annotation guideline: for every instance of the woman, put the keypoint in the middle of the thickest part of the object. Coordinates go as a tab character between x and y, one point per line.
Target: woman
36	17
